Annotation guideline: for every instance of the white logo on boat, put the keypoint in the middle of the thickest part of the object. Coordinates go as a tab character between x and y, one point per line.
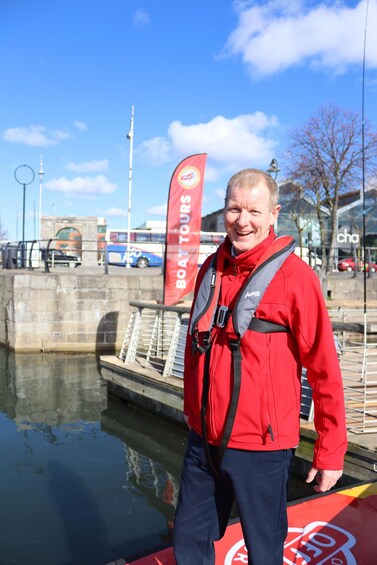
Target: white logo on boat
318	543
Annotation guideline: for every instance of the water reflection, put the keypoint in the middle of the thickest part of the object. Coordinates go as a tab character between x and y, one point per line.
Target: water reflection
153	456
86	479
50	389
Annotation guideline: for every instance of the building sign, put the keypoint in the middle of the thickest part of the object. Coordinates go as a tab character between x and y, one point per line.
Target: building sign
351	238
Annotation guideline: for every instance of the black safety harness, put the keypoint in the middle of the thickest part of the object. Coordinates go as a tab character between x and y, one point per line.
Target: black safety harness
242	319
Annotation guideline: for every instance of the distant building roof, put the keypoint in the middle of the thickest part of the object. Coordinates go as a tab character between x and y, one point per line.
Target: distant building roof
152	224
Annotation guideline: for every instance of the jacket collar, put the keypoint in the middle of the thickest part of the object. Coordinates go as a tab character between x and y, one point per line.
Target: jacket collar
245	261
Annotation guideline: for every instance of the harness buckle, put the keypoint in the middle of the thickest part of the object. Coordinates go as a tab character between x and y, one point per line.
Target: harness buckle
234	343
206	341
222	316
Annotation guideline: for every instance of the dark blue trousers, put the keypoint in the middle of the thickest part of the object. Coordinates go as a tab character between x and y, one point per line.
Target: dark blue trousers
257	480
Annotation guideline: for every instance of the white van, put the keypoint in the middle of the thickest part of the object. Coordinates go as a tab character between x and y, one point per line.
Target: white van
310	259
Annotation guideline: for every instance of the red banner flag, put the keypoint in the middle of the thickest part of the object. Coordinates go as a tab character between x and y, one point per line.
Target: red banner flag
183	225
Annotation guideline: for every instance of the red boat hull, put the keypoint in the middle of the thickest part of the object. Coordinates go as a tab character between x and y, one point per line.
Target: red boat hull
338	528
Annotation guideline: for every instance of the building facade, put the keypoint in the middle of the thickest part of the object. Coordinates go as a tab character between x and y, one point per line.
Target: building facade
78	235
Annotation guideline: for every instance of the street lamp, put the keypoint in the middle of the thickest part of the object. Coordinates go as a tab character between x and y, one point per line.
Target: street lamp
24	175
40	173
273	169
130	136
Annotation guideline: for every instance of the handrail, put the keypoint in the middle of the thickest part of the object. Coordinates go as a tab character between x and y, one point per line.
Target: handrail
162	307
155	340
34	254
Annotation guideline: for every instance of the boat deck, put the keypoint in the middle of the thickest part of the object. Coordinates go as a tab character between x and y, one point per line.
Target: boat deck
327	528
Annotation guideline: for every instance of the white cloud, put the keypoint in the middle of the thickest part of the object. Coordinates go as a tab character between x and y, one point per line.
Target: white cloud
80	125
276	35
81	186
159	210
156	150
115	213
35	135
59	135
141	18
88	166
231	143
211	174
220	193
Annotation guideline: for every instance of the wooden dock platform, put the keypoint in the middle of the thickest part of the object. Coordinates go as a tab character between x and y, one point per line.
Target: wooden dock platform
163	396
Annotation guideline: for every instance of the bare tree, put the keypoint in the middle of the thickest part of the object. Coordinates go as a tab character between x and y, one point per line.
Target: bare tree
326	156
301	224
3	231
297	213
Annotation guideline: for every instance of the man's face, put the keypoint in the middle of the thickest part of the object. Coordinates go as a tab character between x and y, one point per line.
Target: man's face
248	216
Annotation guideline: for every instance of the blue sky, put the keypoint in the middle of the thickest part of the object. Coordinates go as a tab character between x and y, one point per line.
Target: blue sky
226	78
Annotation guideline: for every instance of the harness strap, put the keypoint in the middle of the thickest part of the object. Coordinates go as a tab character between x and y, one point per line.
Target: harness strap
237	372
204	411
266	327
206	314
257	325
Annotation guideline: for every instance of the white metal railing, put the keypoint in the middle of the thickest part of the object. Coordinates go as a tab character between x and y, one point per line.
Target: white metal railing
351	314
359	369
155	339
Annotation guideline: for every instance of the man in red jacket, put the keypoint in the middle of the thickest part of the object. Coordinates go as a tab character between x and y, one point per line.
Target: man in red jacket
257	318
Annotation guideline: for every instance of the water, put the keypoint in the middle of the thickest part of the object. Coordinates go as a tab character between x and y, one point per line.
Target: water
85	479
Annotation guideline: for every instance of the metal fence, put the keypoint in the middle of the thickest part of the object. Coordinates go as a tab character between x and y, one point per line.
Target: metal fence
155	339
359	370
50	254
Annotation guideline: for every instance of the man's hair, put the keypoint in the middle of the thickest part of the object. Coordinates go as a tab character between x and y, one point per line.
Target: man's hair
249	178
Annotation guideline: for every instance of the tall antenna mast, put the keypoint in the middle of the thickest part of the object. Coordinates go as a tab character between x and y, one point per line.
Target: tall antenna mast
363	171
40	173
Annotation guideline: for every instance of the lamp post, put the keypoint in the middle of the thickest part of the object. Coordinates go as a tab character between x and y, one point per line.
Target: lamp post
130	136
40	173
24	175
273	169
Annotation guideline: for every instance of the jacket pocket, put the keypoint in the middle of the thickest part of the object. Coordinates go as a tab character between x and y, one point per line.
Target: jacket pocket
266	424
252	422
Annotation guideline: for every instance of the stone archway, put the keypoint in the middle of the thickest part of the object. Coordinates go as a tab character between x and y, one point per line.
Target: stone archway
69	239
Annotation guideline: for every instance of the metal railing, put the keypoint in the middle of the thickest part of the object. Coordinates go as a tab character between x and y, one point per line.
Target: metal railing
36	255
352	315
155	339
359	370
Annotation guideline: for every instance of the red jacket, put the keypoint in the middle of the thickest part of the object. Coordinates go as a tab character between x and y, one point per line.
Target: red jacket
268	411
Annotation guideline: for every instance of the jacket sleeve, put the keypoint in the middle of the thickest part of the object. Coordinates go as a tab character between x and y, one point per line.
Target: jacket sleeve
313	332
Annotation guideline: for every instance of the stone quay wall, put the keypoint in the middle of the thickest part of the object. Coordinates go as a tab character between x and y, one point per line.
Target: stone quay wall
347	288
83	311
71	311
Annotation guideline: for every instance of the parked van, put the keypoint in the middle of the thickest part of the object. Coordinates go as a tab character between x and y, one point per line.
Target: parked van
310	258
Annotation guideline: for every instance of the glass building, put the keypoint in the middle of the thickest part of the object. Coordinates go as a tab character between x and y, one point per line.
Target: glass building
298	218
350	223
